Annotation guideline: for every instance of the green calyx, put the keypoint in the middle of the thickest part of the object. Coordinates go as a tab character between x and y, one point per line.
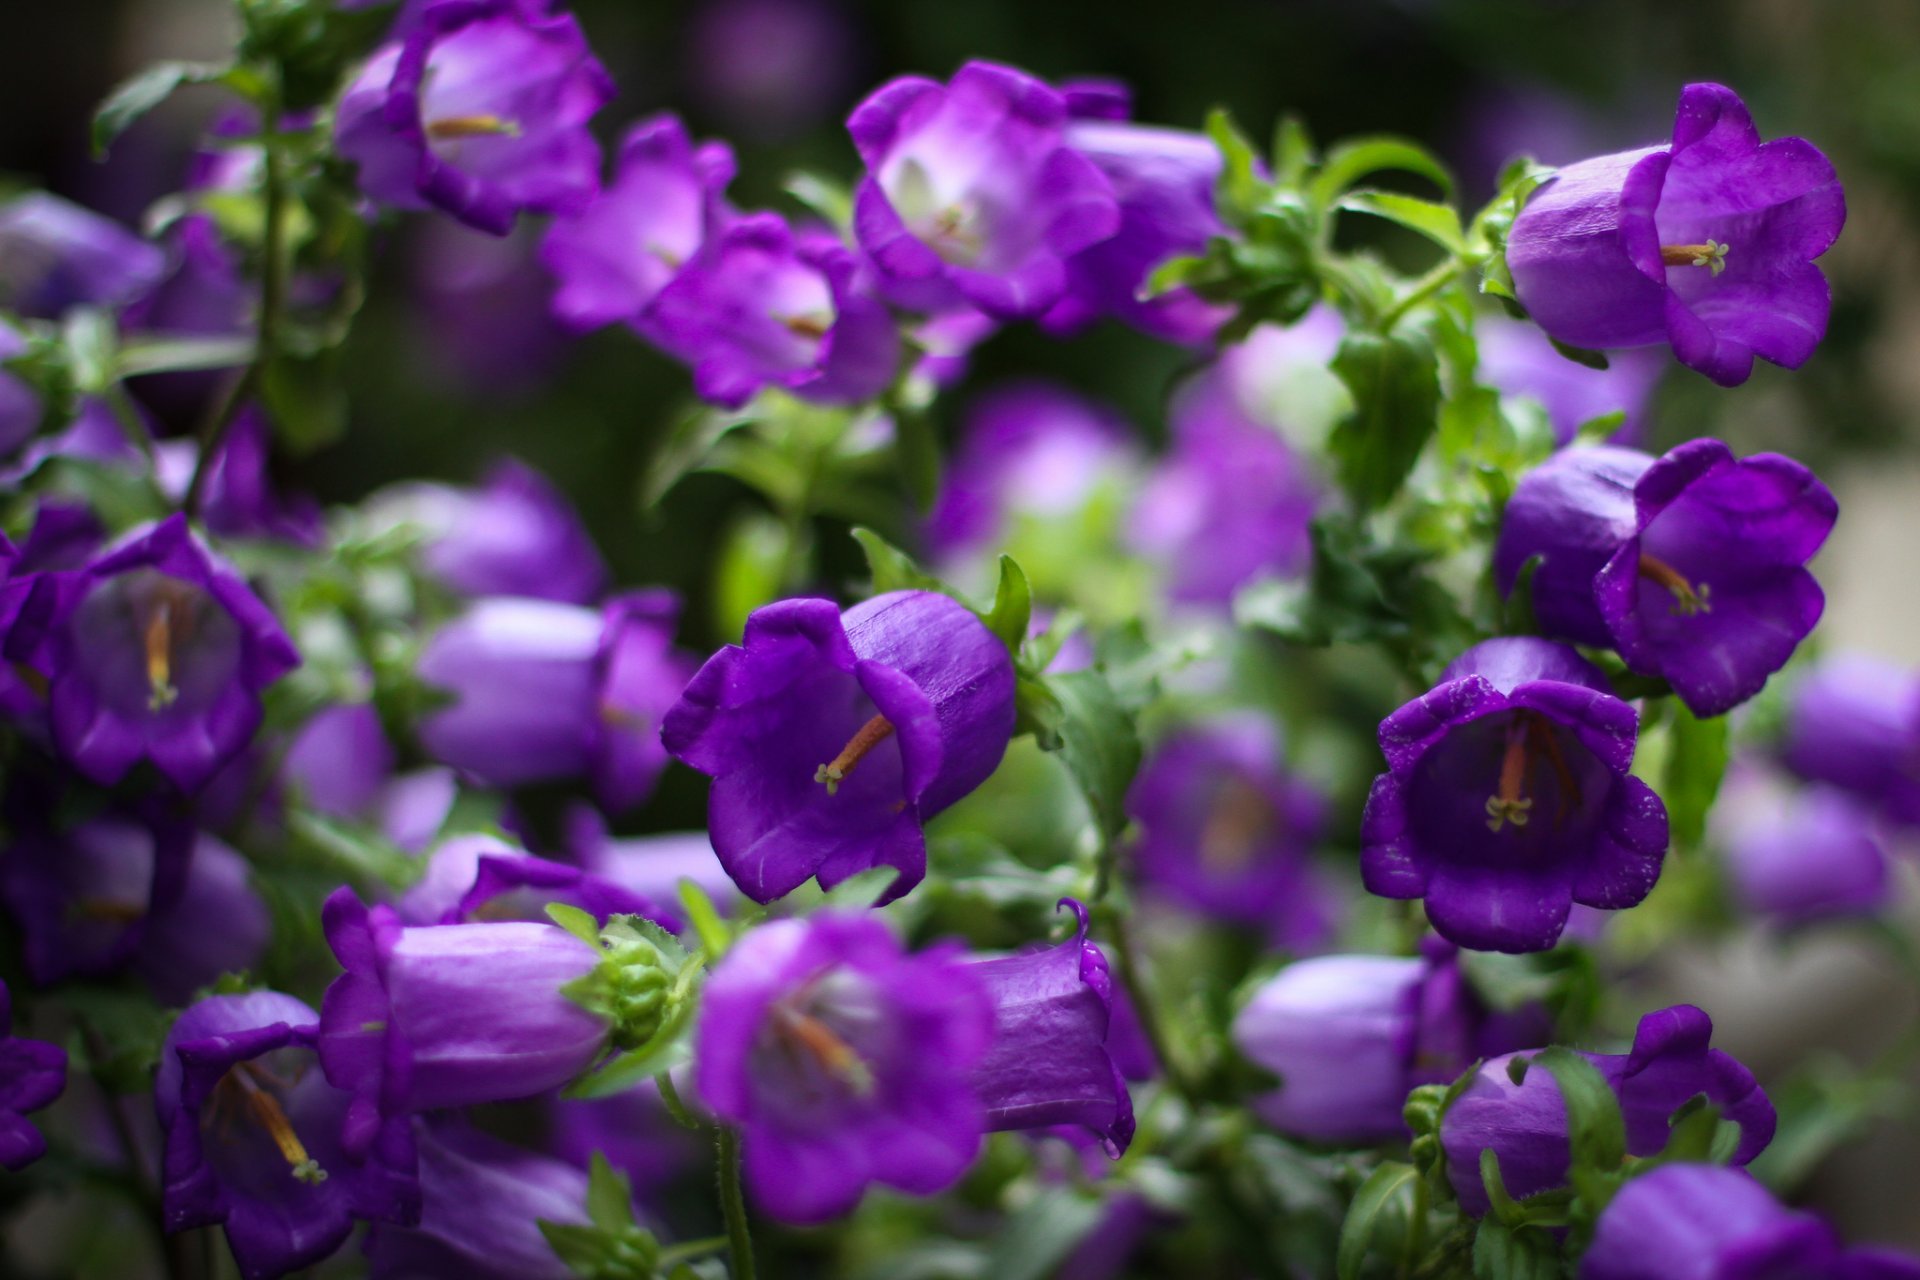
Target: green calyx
645	981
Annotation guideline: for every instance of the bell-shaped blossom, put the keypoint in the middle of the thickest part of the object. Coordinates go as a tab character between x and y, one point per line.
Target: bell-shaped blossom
1049	1064
650	866
1518	360
974	193
1692	566
611	258
238	498
340	764
449	1015
1227	832
480	877
157	650
844	1061
1708	1222
1854	721
479	110
1525	1124
32	1074
544	690
1706	244
1792	857
55	255
1507	799
832	737
1351	1035
253	1137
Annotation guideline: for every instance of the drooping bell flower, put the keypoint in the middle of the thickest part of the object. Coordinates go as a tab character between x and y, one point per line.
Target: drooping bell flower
844	1061
1525	1124
832	737
1706	244
973	192
1507	798
32	1074
480	877
1048	1064
1708	1222
55	255
611	258
481	111
1518	360
253	1138
1854	721
1793	857
1692	565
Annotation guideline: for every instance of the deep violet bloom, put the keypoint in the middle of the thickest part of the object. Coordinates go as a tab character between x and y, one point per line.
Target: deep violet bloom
844	1061
612	257
1798	856
1507	799
1518	360
1707	1222
1227	832
239	499
480	877
1049	1064
55	255
973	192
32	1074
340	764
1854	721
762	305
545	690
480	111
1525	1124
1692	566
1351	1035
832	737
449	1015
156	650
512	535
1706	244
253	1137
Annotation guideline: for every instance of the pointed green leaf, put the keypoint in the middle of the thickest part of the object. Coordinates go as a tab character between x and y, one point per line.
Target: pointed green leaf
579	923
141	93
1351	161
1012	609
1364	1215
1437	222
1395	382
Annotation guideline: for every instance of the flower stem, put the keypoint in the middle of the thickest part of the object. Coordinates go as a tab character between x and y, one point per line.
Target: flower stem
1423	288
1127	964
733	1206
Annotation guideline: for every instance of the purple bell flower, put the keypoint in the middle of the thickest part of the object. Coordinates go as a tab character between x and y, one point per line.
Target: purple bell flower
612	257
1049	1064
1507	799
1706	244
844	1061
1795	858
480	308
253	1137
1706	1222
973	193
480	111
1518	360
156	650
649	866
340	764
479	877
239	499
1525	1124
1692	565
1854	721
634	1131
55	255
832	737
771	69
32	1074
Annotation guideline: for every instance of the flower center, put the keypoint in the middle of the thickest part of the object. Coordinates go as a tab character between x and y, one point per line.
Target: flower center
1688	599
811	326
265	1110
866	738
804	1033
483	126
1712	255
1529	737
1240	821
158	637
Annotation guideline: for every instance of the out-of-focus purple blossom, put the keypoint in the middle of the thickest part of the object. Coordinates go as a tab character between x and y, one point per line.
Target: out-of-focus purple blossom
771	69
238	499
650	866
1507	798
1706	244
1503	122
973	192
481	111
217	925
844	1061
94	435
55	255
483	306
20	404
832	737
480	877
1798	856
1518	360
948	339
1854	721
340	764
32	1074
634	1131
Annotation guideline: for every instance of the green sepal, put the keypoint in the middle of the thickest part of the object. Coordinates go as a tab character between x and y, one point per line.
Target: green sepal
611	1245
1366	1213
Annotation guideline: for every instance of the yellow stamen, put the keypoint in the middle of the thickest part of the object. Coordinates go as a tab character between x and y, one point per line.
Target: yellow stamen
828	1049
805	326
159	642
1241	819
1511	804
449	127
1712	255
1688	599
267	1110
870	735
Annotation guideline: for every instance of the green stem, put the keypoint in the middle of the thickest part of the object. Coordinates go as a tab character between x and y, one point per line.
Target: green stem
670	1098
690	1249
733	1205
1128	966
1423	288
1416	1228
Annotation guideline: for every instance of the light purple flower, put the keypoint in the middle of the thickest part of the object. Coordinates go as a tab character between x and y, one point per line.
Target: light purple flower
973	192
55	255
1518	360
1798	856
650	866
771	68
1507	799
480	877
1854	721
1706	244
832	737
32	1074
340	764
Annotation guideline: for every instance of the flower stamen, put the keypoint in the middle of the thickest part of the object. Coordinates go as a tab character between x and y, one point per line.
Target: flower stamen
835	1055
1712	255
158	638
273	1118
1511	804
484	126
1688	599
866	738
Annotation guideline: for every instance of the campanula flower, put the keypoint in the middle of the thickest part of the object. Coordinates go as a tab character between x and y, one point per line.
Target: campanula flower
32	1074
1853	721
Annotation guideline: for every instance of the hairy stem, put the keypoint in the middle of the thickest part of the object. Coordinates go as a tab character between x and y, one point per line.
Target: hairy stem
733	1205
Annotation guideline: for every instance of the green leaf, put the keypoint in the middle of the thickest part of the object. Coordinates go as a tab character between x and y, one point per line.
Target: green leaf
1364	1215
1506	1253
1595	1129
1504	1207
306	402
1437	222
1580	355
747	572
1293	153
712	931
1697	757
144	91
580	924
1241	189
686	446
1351	161
1100	744
667	1051
180	353
1395	382
1012	609
1037	711
609	1196
1519	618
893	569
1031	1243
1600	429
917	448
824	196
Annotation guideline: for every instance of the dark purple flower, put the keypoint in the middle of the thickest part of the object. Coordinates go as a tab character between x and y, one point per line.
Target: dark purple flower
1525	1124
973	192
32	1074
55	255
481	111
1706	1222
238	499
1796	857
832	737
253	1137
93	435
449	1015
217	925
1226	831
1706	244
612	257
1507	799
480	877
1518	360
1854	721
844	1061
1692	565
771	68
